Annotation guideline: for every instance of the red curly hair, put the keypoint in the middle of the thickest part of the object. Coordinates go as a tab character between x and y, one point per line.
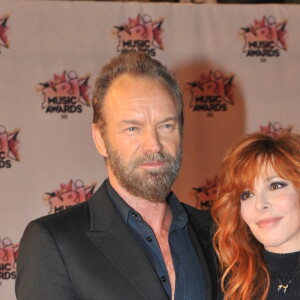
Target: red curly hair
244	272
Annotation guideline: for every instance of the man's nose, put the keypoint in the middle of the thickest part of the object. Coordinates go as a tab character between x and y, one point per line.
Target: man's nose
151	142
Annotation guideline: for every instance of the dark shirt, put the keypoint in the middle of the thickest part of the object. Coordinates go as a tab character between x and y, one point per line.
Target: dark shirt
284	270
190	283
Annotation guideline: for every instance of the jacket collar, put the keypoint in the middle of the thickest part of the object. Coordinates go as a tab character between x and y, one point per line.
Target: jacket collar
113	238
200	229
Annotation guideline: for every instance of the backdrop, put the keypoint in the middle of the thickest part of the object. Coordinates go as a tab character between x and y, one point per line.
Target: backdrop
237	66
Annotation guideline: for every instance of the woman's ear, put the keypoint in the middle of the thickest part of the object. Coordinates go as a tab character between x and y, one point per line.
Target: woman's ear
98	140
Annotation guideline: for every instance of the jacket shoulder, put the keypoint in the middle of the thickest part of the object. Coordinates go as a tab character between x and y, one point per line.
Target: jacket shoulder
66	217
200	216
77	214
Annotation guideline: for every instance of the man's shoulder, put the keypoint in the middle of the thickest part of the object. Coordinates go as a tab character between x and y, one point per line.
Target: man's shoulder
76	214
198	212
67	217
198	215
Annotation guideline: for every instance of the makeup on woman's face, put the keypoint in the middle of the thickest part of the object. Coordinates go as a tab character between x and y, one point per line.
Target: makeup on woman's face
272	212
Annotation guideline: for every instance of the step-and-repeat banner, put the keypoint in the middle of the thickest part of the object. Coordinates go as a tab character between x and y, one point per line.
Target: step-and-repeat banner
238	67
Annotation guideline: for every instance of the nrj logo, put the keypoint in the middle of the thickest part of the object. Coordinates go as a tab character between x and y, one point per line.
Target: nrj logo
212	93
8	259
68	195
266	38
4	29
8	147
274	129
205	195
140	34
66	93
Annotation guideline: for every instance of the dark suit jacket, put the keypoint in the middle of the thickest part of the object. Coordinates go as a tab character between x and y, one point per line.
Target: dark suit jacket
87	252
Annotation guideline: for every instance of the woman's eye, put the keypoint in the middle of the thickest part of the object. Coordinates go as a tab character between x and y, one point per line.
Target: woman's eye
277	185
245	195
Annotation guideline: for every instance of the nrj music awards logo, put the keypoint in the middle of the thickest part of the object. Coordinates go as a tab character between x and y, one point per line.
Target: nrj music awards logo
68	195
140	34
274	129
8	259
4	29
211	93
8	147
65	93
205	195
265	38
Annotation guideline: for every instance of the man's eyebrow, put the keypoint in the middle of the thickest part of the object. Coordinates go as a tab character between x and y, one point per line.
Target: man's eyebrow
172	118
130	121
135	122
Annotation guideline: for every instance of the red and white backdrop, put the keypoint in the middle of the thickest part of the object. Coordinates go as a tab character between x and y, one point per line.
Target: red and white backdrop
238	66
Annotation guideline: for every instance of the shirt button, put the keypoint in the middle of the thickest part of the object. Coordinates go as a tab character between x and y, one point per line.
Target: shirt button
149	239
134	214
163	278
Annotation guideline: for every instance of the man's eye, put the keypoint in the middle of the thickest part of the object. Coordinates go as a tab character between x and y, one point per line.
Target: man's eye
277	185
131	129
245	195
168	126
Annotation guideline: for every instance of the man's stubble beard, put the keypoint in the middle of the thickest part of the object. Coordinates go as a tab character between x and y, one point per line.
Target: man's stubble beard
152	185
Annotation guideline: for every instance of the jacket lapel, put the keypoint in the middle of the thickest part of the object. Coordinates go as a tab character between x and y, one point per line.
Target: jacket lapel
114	239
201	238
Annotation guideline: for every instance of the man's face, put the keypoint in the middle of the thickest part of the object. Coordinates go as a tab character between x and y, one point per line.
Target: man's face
142	137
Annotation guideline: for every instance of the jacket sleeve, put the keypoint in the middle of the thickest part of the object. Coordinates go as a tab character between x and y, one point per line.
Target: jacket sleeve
41	272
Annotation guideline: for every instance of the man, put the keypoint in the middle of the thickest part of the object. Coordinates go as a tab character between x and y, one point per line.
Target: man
132	239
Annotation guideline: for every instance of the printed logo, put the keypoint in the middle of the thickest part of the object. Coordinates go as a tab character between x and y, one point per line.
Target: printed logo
274	129
205	195
212	93
8	259
66	93
8	147
4	30
266	38
140	34
68	195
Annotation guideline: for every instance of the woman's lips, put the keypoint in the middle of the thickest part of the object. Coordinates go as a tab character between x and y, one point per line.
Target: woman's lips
268	222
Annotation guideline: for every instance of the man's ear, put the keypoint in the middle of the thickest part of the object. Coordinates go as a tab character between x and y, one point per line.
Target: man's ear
98	140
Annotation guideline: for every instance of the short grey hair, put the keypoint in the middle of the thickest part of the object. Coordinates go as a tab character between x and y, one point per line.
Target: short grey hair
136	64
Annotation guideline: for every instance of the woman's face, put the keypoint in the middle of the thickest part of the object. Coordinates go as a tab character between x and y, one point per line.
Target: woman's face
272	212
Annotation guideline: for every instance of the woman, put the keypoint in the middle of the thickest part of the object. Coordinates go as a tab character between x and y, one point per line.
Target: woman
257	212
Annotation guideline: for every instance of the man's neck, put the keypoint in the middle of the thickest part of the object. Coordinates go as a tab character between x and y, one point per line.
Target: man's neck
157	215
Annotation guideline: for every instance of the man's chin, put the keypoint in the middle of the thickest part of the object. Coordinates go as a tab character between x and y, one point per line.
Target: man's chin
148	187
154	197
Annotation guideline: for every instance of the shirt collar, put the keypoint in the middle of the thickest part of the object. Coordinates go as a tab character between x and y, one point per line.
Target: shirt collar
179	215
121	206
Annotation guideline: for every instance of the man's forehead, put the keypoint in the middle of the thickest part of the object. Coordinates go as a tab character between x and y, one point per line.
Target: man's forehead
130	87
129	78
